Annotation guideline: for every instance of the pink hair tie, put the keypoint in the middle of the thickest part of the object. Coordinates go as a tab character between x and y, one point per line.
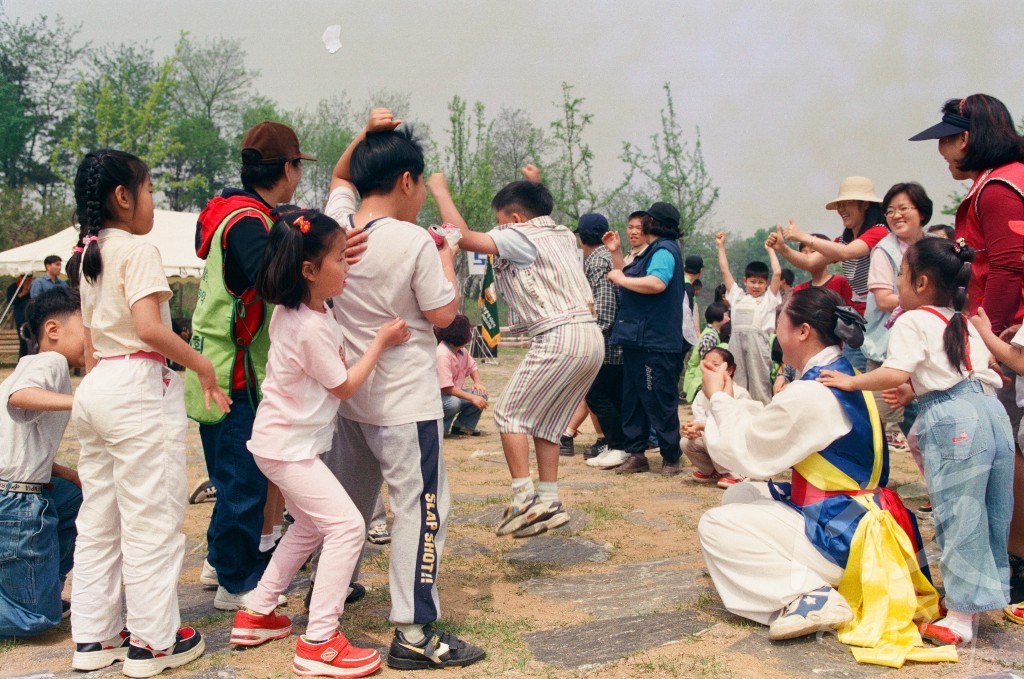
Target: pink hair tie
962	102
90	239
78	248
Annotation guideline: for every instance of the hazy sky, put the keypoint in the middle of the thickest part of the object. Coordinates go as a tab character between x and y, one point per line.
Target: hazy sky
790	96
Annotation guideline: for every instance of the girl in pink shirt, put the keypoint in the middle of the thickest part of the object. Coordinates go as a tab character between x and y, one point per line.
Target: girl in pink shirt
304	265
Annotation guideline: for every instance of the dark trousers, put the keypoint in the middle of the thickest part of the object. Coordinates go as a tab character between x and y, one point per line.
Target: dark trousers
650	398
233	538
605	400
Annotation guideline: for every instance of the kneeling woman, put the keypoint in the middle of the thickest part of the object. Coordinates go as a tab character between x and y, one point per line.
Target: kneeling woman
777	552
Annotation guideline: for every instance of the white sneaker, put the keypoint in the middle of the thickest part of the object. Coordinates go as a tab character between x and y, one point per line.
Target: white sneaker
208	576
817	611
226	601
609	459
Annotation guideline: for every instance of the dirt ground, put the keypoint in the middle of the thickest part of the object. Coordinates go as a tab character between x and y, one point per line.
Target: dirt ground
482	595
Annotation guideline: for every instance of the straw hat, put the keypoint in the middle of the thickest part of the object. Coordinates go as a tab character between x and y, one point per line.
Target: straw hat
855	188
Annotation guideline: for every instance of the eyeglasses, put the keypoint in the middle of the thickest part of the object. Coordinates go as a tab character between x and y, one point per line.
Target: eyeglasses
903	210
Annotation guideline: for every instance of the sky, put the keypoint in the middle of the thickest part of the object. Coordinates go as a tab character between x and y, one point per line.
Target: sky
790	96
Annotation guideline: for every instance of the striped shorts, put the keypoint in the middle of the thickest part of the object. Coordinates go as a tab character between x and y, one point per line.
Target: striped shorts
550	382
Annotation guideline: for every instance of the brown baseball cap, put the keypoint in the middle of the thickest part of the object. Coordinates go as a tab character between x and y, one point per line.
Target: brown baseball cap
276	143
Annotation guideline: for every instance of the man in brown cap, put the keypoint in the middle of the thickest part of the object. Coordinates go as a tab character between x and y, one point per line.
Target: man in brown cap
230	328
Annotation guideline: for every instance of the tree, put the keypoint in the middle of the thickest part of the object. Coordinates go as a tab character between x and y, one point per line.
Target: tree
325	133
675	172
569	178
514	143
212	82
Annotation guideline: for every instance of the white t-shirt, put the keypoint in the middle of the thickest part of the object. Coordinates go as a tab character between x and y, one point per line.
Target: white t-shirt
1018	340
881	274
915	346
399	276
296	418
29	438
763	307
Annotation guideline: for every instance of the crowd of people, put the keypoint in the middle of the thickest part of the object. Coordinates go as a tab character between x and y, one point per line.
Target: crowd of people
327	361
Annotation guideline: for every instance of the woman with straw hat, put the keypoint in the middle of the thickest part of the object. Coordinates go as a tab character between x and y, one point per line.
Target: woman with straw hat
863	227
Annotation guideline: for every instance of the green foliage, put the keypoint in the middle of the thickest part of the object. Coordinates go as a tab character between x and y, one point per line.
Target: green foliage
468	163
569	176
325	133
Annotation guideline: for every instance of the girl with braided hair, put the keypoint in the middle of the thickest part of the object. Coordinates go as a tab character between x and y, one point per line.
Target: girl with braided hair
130	416
965	436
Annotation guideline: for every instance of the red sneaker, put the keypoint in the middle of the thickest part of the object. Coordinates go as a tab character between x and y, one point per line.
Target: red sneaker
728	482
145	661
253	629
940	634
334	658
701	477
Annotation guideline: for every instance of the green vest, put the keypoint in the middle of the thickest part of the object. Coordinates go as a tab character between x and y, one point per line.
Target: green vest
213	330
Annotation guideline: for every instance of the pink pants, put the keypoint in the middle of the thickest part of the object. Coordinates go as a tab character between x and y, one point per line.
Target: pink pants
323	512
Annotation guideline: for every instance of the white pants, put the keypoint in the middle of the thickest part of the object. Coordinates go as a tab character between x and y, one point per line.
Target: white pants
130	417
758	555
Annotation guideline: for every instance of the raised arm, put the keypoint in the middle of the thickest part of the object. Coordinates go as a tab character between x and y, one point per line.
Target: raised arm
380	120
723	262
473	241
776	281
833	252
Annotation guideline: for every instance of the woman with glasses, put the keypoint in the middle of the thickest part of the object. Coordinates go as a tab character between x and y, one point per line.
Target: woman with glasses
978	141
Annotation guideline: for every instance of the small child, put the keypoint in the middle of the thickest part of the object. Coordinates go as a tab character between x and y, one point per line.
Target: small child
304	265
753	319
462	407
39	499
821	276
538	272
716	315
965	437
692	444
129	412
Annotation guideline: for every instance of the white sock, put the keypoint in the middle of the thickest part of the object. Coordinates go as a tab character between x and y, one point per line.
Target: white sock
267	541
961	623
521	488
547	491
413	633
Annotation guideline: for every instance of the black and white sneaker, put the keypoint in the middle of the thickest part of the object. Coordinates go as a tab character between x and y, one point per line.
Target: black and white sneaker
566	446
204	492
145	661
600	446
435	651
100	654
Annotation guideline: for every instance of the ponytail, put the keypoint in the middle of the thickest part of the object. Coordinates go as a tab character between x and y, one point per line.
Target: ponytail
948	266
296	237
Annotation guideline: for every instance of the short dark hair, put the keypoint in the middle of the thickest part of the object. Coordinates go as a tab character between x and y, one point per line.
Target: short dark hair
816	306
52	259
279	279
639	214
727	358
757	269
992	140
458	333
945	229
917	195
531	199
259	175
59	303
715	312
382	157
698	283
659	229
788	277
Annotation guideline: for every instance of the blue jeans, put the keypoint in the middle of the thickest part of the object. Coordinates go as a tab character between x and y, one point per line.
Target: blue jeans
467	413
967	450
37	546
233	538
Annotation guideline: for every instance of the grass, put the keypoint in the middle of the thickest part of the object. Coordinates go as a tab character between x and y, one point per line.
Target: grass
708	666
7	645
212	619
601	514
659	667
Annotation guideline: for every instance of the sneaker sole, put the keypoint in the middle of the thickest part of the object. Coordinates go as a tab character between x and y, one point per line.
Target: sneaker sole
831	623
207	581
139	669
559	519
97	660
241	636
222	605
311	668
609	465
410	664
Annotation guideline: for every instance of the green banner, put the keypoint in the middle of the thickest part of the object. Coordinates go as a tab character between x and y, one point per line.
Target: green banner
488	304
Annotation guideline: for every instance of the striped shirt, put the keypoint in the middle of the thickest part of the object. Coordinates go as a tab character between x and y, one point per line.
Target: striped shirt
856	270
551	290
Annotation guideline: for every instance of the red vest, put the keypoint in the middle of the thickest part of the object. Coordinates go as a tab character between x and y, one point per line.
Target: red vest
968	227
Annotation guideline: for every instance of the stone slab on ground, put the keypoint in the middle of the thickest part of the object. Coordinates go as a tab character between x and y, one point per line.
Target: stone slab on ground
681	496
592	644
638	517
465	548
810	656
490	517
585	485
559	551
1000	675
666	583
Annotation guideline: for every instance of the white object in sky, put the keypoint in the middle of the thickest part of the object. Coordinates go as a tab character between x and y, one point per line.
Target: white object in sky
332	38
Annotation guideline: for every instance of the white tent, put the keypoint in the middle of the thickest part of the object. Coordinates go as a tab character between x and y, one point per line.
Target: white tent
173	233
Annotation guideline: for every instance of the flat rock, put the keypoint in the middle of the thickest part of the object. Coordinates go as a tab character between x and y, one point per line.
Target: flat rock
465	547
679	496
581	647
1000	675
811	656
913	491
488	516
637	517
559	551
585	485
665	584
215	672
488	498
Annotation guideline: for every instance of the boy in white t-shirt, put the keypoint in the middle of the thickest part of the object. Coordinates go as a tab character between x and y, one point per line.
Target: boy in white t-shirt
391	428
39	499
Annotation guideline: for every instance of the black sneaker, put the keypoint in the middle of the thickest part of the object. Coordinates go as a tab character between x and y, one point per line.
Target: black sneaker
600	445
1016	578
100	654
436	650
145	661
566	446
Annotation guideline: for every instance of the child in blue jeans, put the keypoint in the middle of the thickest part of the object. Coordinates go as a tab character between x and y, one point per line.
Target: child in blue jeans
39	499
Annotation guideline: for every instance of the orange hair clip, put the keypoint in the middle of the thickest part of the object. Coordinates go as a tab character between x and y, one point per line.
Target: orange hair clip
302	224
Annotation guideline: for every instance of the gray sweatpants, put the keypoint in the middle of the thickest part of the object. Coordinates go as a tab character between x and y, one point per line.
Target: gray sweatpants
408	458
